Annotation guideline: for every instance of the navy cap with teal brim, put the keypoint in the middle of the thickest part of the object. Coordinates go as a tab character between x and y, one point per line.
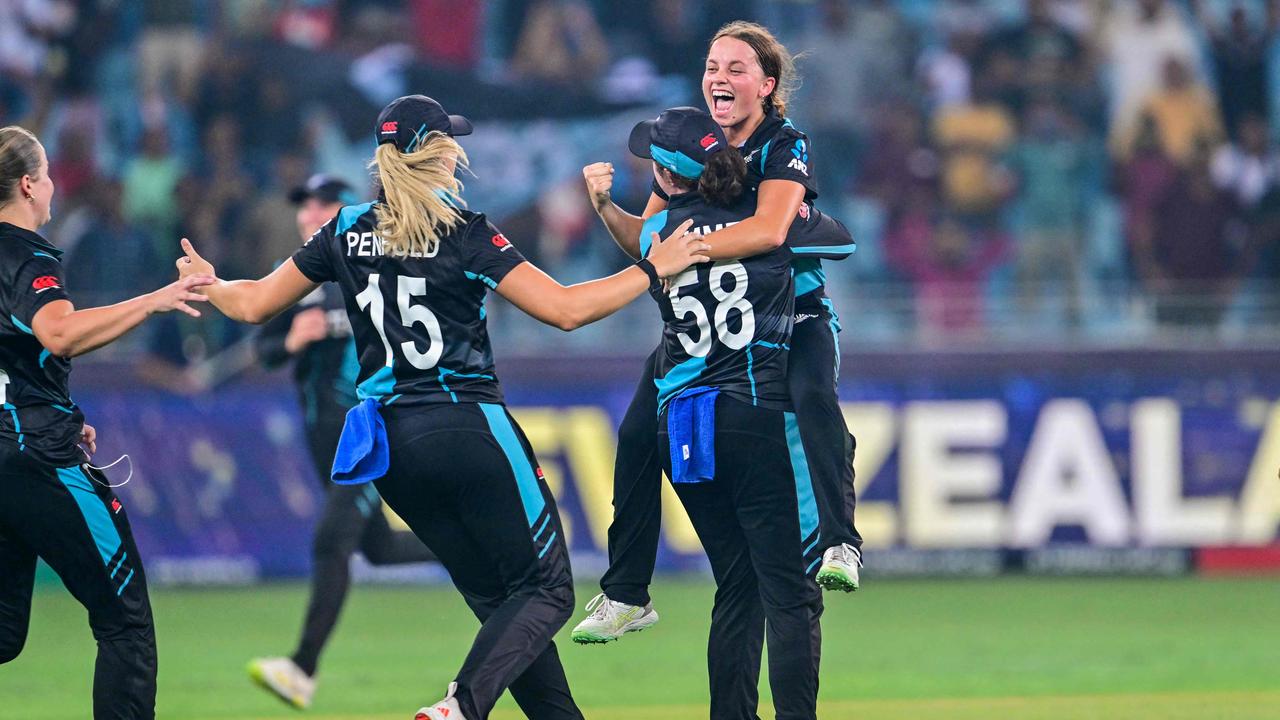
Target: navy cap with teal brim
680	140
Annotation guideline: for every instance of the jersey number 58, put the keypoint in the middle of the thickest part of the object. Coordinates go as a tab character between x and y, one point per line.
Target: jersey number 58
727	300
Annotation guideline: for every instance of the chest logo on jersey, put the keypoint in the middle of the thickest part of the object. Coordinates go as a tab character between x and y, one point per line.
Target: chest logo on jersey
44	282
368	244
501	242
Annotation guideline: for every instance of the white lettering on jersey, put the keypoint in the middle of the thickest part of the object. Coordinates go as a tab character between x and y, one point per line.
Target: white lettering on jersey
368	244
797	164
708	229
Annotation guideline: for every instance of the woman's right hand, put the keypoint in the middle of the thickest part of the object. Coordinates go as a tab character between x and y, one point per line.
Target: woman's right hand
599	177
680	250
192	264
176	295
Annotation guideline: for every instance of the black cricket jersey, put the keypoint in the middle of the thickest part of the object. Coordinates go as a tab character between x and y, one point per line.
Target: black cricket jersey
777	150
419	322
728	323
38	415
325	371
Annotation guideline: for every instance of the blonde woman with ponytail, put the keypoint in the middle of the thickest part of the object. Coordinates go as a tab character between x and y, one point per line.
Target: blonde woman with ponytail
432	431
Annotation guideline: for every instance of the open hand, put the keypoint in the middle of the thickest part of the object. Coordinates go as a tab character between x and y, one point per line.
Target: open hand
680	250
176	295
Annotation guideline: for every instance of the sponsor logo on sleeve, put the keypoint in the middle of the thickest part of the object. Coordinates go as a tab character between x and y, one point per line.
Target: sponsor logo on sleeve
45	282
501	242
800	159
804	211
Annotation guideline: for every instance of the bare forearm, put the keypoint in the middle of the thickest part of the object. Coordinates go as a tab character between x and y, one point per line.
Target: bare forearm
752	236
624	227
587	302
237	299
82	331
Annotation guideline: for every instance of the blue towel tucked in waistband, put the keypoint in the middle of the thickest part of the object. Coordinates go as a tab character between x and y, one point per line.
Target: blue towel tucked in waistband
362	453
691	428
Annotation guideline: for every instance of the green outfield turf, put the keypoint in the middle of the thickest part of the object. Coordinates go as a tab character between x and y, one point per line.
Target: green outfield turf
1005	648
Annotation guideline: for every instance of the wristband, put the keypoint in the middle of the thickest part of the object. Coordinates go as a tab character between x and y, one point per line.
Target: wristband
651	271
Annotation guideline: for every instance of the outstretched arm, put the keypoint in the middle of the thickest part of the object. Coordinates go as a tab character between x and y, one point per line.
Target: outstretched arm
250	301
572	307
67	332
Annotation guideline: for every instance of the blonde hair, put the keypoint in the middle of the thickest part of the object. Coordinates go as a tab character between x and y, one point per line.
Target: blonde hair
774	58
422	194
19	157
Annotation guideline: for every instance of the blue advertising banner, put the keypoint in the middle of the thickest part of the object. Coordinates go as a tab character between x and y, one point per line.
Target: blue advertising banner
1031	455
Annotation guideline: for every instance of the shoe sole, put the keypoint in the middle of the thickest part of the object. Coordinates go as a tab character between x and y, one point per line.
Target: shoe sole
260	679
835	580
583	637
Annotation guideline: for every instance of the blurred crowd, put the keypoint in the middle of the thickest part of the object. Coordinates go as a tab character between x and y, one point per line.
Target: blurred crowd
1007	166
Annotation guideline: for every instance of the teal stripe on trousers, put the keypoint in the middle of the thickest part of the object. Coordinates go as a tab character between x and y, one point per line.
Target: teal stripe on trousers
104	532
505	433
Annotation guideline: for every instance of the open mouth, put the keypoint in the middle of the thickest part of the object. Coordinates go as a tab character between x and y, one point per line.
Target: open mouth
721	102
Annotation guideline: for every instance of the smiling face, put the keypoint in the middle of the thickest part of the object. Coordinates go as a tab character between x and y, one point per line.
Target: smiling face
734	86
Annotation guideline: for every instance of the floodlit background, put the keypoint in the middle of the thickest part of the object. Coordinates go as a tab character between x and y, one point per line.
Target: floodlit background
1061	332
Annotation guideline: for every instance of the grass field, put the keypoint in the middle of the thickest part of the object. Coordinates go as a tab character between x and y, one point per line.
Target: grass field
1004	648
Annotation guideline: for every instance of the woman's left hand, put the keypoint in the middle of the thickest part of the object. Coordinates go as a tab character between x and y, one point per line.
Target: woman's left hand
89	439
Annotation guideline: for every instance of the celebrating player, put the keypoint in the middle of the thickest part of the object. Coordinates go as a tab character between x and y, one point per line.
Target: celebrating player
431	429
317	336
59	507
724	427
745	85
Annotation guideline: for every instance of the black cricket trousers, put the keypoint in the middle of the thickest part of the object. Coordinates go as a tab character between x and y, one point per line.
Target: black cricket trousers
824	441
70	519
352	520
464	477
755	520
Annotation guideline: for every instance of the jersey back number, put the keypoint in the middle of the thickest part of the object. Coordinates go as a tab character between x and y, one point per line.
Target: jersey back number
726	300
407	288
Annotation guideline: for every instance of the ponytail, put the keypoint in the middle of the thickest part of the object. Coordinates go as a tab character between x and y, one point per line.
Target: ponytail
421	191
723	177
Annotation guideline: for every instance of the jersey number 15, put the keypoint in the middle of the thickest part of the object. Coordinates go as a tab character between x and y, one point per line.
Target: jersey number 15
406	289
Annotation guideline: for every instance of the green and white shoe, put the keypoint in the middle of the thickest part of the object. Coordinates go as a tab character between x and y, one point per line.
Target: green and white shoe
839	569
609	620
281	677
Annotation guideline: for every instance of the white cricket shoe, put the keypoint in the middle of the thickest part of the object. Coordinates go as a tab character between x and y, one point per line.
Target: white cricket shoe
446	709
609	620
839	569
284	679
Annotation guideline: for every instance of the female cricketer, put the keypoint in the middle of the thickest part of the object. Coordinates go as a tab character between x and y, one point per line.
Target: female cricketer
59	507
747	80
432	431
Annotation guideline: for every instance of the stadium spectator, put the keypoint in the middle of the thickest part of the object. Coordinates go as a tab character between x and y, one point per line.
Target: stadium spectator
948	265
150	180
1184	112
560	44
1055	164
171	48
1187	265
1135	39
1248	167
973	137
1240	60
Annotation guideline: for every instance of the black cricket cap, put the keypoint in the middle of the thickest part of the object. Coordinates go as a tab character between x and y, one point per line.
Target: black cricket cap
406	120
680	140
325	188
